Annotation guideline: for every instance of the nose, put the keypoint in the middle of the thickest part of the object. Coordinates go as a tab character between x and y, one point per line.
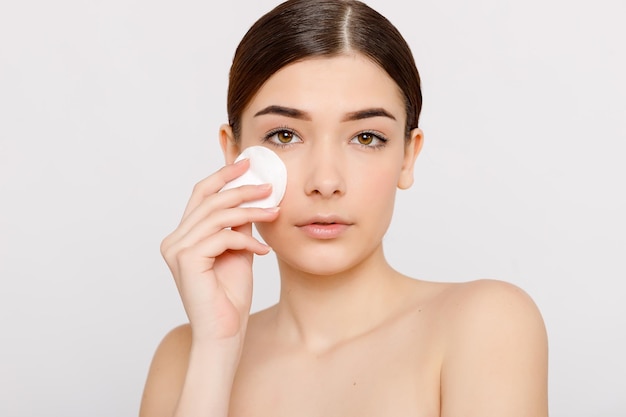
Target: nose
325	171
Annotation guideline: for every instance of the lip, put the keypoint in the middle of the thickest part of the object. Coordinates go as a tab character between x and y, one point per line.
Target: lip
324	227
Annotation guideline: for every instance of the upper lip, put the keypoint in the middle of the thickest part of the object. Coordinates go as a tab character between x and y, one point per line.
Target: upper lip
325	219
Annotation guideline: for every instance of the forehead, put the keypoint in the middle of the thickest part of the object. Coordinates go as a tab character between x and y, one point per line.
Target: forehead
341	83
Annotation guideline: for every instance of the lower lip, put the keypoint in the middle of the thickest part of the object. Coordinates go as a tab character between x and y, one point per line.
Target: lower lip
324	231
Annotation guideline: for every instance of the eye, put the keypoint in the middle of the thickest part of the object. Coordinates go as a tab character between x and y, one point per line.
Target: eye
369	140
282	137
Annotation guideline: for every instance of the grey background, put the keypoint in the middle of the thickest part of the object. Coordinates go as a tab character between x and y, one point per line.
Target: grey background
109	114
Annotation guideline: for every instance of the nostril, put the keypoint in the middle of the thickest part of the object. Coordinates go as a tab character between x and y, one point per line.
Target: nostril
325	183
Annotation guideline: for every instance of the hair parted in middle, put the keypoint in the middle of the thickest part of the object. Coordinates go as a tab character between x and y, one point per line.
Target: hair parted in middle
299	29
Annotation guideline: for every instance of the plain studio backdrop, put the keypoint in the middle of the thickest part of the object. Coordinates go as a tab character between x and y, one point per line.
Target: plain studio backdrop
109	112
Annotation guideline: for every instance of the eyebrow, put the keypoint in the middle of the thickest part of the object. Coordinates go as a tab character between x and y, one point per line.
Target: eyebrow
302	115
368	113
284	111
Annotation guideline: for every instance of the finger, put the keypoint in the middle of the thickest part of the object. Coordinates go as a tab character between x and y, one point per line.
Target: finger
244	228
201	257
224	219
223	200
214	182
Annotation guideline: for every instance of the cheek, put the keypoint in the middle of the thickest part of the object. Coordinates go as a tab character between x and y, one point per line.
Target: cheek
375	181
377	192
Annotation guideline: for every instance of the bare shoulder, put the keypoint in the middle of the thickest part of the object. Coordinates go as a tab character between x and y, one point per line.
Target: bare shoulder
495	358
490	310
464	308
167	373
472	300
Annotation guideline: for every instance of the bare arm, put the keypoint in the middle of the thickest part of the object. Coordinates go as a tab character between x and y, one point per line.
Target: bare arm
497	357
189	379
210	257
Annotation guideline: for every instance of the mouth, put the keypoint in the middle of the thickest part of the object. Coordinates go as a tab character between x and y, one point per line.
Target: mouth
325	228
325	221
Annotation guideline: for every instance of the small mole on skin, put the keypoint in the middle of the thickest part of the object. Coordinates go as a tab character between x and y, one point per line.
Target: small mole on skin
354	384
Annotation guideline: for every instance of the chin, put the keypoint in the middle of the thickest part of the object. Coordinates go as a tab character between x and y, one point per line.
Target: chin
322	261
317	269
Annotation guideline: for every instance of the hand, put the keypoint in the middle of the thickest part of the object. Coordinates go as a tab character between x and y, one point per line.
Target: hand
210	254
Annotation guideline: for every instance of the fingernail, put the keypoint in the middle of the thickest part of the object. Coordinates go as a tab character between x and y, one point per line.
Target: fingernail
241	161
265	186
272	209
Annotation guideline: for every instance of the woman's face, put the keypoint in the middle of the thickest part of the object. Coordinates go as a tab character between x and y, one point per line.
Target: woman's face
338	124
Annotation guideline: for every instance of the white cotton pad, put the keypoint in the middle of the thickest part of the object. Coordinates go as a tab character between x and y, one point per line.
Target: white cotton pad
265	167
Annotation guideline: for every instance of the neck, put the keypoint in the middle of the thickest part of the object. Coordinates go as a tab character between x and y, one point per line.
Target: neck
322	311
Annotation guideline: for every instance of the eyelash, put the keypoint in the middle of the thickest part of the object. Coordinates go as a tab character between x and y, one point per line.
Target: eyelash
267	138
379	137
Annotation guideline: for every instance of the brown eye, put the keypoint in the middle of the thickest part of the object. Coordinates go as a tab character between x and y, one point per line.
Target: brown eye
365	138
369	140
284	136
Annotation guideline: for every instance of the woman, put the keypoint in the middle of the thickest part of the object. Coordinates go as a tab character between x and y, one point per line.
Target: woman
332	88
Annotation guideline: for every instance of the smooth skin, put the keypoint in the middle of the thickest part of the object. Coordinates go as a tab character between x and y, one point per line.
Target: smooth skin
350	336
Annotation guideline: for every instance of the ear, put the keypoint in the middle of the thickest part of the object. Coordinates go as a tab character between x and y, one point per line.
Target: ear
412	148
230	147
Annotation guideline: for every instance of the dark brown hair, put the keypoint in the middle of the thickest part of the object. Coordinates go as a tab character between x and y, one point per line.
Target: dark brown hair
300	29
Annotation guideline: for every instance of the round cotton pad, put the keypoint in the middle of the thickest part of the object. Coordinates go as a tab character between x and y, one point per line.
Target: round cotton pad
265	167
